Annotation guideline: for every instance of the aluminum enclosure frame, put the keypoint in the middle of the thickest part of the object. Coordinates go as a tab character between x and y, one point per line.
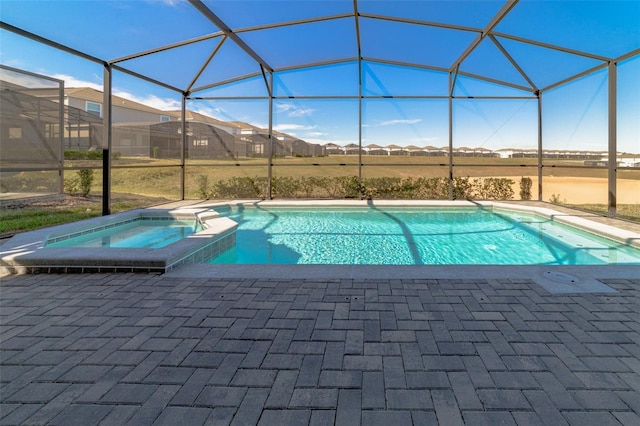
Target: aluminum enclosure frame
226	35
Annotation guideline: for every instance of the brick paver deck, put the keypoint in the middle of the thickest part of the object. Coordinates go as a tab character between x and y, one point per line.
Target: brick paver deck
148	349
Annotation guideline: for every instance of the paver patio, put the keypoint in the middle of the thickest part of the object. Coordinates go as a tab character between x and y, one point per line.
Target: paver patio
152	349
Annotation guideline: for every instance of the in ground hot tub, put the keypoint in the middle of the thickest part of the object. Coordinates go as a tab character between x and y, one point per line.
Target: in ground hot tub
136	241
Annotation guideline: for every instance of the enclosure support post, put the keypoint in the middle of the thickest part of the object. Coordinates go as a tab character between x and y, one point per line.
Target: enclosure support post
359	46
61	136
183	156
451	86
269	166
106	140
360	191
539	95
613	148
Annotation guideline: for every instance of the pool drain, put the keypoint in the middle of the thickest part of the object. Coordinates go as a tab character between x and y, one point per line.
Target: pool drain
561	278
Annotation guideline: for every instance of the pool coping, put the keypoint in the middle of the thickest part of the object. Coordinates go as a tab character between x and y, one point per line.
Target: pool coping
27	252
556	279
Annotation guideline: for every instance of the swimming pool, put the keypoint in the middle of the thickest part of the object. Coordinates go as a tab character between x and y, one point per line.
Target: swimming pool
140	232
388	235
396	247
143	240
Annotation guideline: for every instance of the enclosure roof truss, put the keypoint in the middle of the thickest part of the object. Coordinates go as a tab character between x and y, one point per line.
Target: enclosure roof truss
225	34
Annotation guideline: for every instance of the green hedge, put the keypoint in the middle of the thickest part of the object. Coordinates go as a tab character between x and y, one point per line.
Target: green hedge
347	187
73	154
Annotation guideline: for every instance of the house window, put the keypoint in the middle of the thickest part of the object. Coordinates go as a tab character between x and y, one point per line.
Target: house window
164	118
15	133
94	108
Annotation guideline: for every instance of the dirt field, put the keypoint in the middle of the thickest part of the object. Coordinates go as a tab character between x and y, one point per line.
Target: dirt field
582	190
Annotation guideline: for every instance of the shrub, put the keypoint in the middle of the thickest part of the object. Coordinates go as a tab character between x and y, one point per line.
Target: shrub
525	188
436	188
286	186
86	178
80	184
409	188
382	187
71	185
462	188
73	154
240	187
392	187
347	187
493	188
555	199
203	187
309	185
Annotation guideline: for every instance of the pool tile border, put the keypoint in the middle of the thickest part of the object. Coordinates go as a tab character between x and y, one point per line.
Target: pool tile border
119	223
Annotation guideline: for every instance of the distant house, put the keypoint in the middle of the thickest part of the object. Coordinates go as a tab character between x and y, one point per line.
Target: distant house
305	149
333	149
143	131
352	149
433	151
28	128
41	107
397	150
373	149
132	121
516	153
415	150
621	162
122	109
207	137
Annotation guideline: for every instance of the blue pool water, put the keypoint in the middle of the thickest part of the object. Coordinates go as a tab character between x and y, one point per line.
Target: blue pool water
137	233
410	236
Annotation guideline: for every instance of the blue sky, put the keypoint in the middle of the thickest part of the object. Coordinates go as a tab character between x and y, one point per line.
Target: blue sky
575	114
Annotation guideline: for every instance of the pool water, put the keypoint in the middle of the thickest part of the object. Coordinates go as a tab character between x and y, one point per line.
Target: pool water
412	236
136	233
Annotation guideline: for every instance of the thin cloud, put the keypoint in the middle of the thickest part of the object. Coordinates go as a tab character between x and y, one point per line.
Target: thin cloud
13	62
24	80
71	81
217	112
294	111
170	3
301	112
394	122
284	107
291	126
151	100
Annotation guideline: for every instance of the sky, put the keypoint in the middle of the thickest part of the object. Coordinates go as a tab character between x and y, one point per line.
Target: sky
574	114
